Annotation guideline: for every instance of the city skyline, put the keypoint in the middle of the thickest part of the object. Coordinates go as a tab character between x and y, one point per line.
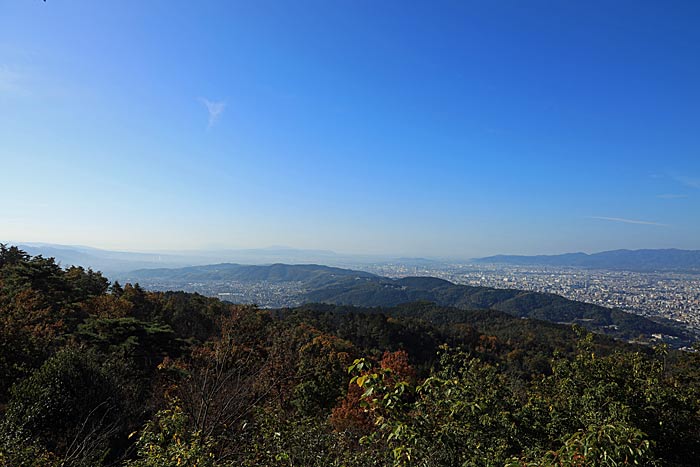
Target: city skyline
400	129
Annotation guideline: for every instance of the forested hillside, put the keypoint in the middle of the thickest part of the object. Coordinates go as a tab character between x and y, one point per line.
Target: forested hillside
520	303
314	275
100	374
323	284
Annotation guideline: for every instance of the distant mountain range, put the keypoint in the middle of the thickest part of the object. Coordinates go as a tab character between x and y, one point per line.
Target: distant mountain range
114	263
109	262
668	260
323	284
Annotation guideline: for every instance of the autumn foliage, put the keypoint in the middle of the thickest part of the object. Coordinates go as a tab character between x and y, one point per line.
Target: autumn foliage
98	374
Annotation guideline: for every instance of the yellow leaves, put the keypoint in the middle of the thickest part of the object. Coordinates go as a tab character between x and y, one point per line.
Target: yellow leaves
361	380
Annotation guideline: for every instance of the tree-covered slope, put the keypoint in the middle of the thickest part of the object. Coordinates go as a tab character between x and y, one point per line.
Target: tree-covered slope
94	374
317	283
542	306
312	274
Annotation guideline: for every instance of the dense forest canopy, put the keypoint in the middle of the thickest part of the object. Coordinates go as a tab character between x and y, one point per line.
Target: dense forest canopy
94	373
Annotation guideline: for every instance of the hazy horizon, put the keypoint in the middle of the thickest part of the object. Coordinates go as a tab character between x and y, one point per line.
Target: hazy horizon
205	252
462	131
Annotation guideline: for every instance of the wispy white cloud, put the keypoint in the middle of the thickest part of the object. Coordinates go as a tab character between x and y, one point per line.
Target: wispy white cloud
671	196
627	221
693	182
215	110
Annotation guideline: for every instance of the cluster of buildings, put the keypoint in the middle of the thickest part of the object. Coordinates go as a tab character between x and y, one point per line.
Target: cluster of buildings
667	295
262	293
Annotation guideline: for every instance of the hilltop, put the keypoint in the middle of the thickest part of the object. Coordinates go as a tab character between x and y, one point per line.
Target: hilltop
312	283
310	273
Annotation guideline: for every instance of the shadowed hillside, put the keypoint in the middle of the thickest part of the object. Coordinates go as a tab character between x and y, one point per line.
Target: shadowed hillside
316	283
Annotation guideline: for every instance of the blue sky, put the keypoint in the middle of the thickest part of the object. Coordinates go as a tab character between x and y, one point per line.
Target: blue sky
420	128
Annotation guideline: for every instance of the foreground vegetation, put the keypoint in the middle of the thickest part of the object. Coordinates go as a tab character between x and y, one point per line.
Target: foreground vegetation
93	373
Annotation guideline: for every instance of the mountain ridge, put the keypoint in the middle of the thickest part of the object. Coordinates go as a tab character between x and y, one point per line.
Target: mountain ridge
244	272
337	286
641	260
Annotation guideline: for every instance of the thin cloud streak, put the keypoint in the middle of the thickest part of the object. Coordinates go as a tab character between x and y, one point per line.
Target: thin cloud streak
215	110
628	221
693	182
671	196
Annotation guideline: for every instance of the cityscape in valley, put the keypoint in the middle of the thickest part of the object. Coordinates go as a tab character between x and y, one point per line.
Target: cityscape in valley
673	296
647	287
664	295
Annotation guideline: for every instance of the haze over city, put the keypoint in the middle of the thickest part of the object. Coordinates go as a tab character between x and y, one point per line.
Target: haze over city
399	128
